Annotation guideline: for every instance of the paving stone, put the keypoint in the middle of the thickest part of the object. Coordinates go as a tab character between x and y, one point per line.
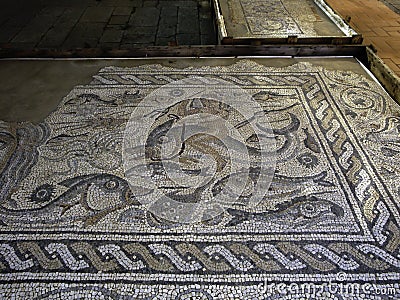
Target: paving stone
377	23
93	30
55	37
63	26
169	12
113	3
4	16
136	45
19	19
96	14
123	10
7	33
70	16
165	41
36	29
68	3
81	22
122	7
137	3
146	30
108	46
162	3
52	11
84	35
188	21
188	39
145	16
169	17
80	42
31	34
206	27
208	39
2	21
166	31
136	37
170	21
150	3
18	45
111	35
149	39
118	20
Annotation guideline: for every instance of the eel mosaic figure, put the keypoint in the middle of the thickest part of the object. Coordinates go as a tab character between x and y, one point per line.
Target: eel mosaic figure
67	209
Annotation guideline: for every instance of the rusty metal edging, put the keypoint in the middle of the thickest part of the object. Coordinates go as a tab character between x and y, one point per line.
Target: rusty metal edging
294	40
188	51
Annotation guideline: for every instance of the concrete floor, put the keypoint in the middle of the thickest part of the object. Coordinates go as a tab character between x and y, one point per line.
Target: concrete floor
31	89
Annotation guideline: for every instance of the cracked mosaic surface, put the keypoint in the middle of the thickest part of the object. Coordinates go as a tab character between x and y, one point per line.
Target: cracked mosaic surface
70	224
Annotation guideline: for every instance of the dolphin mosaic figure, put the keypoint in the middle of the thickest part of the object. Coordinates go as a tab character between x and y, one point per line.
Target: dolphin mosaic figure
95	195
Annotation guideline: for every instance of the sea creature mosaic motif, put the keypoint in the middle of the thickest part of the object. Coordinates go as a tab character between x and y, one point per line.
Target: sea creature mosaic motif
332	209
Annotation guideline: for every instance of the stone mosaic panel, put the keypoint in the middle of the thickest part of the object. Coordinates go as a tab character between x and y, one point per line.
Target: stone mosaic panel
273	18
276	19
70	224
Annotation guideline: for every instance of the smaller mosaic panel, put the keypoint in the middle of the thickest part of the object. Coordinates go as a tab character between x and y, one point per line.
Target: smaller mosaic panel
276	19
270	18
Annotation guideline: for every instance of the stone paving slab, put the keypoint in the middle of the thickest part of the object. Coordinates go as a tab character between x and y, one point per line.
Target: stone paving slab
123	10
187	39
188	20
97	14
170	41
10	28
39	25
166	31
119	20
379	25
116	23
111	35
60	30
145	16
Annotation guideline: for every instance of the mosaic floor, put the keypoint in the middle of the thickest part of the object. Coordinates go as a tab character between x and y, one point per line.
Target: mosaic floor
73	222
276	18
